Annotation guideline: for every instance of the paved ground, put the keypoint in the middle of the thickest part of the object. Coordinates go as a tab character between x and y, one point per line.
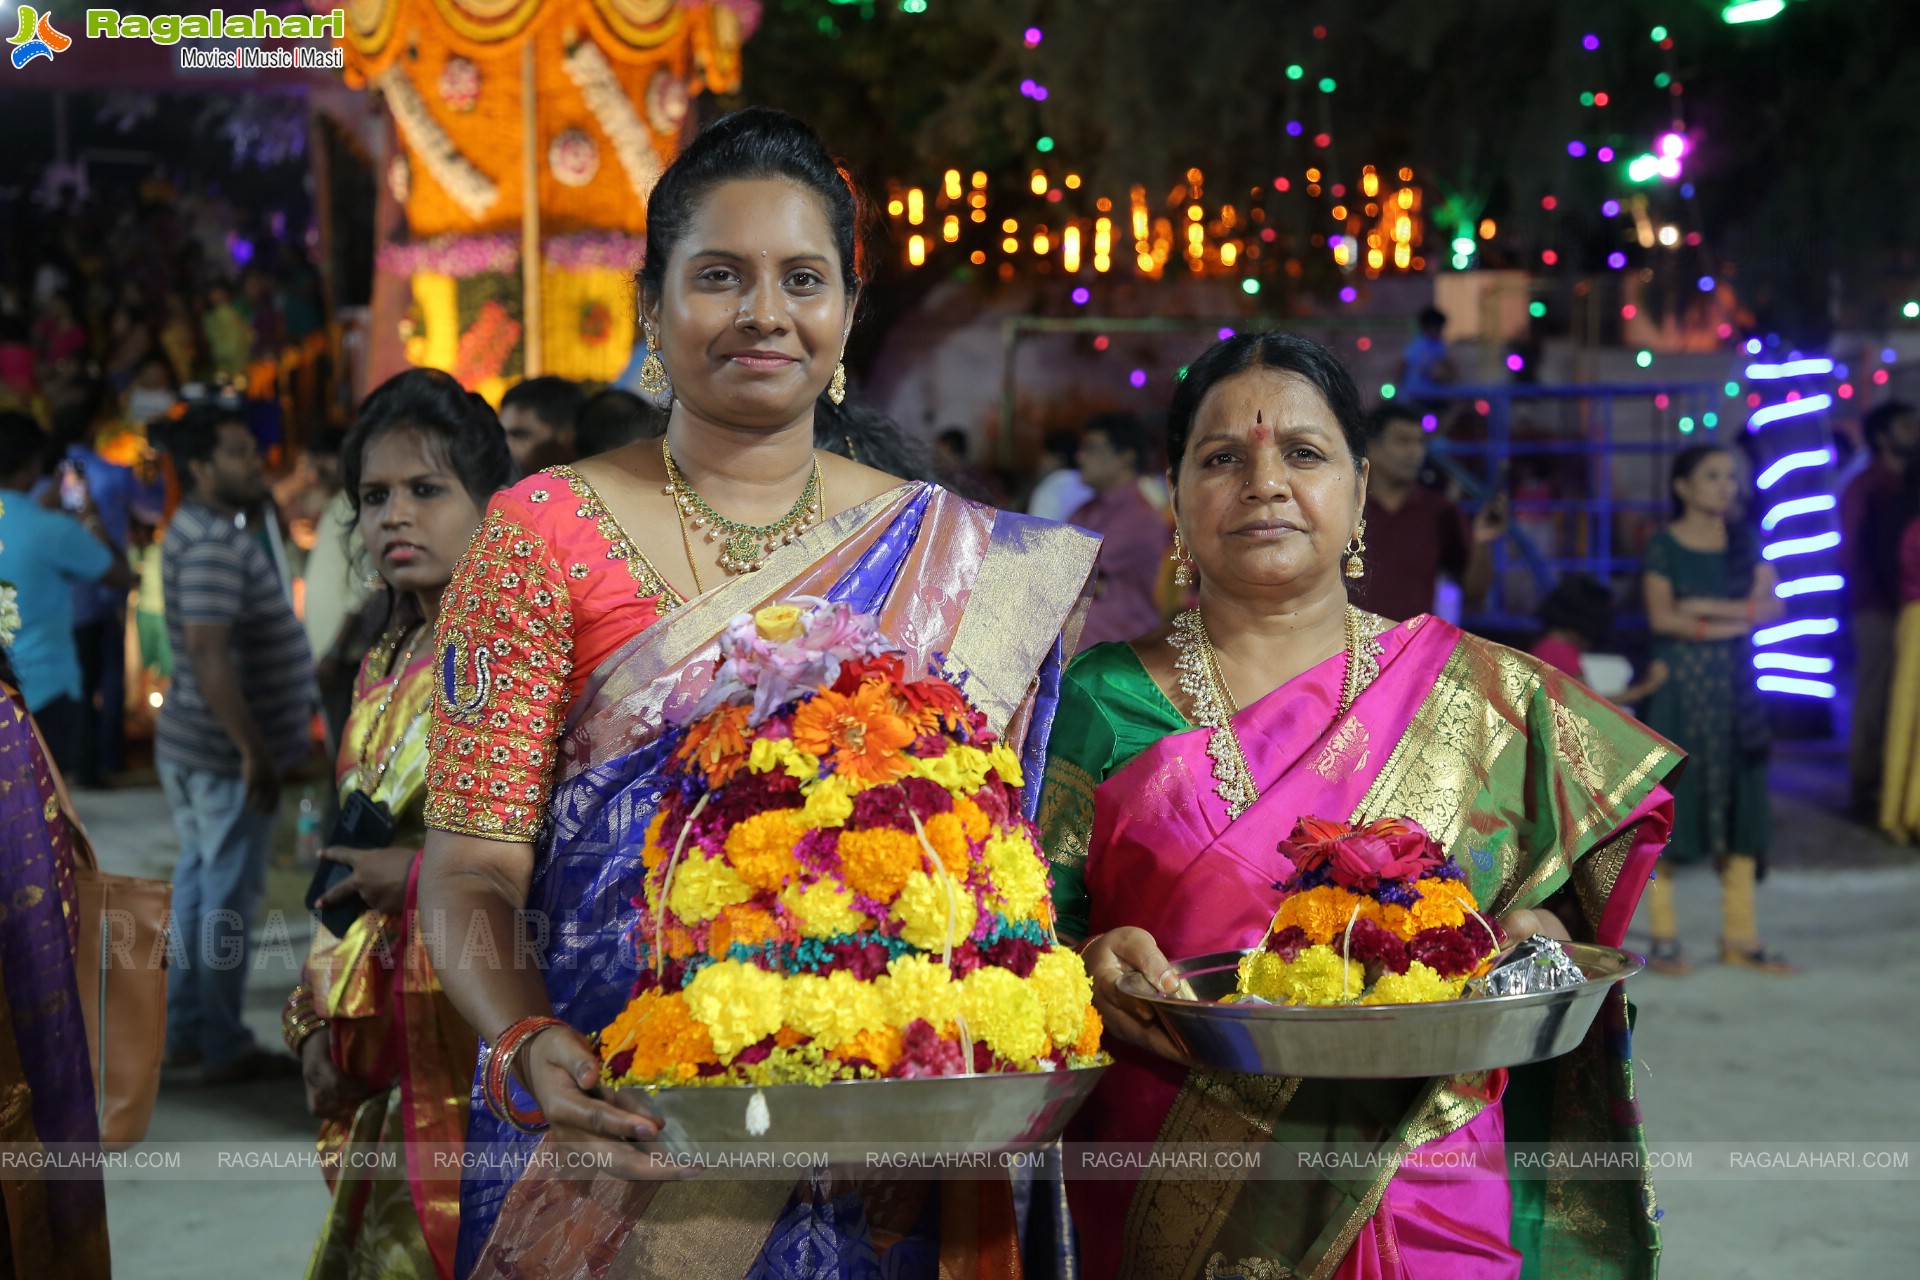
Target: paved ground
1828	1055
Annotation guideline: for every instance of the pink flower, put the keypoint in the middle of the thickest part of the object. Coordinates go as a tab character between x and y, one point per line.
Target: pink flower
1388	849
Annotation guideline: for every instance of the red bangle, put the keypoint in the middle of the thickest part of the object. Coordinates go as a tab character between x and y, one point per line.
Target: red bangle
496	1071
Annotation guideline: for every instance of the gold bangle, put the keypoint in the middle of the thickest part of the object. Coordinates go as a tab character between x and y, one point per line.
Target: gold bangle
299	1019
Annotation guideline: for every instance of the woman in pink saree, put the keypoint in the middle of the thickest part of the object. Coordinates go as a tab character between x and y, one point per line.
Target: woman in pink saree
1179	762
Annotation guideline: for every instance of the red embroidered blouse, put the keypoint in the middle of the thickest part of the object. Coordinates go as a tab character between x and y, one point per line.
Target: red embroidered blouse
533	608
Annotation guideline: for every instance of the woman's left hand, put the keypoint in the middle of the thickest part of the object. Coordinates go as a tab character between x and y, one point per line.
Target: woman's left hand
1528	921
379	876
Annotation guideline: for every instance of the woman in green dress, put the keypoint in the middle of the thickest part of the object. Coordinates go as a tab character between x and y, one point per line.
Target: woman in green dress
1707	591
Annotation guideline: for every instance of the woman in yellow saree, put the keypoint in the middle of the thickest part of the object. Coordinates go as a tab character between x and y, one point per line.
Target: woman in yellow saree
590	603
386	1057
1179	762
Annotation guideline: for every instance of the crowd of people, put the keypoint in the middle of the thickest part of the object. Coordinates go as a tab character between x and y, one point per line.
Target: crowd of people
471	580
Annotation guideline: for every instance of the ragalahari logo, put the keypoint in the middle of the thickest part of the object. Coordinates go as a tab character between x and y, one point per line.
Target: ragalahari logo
36	38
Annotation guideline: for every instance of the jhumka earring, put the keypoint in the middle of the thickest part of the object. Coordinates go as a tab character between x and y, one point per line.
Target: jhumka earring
653	371
837	389
1355	548
1182	562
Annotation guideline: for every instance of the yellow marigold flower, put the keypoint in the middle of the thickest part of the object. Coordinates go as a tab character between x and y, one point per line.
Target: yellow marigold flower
768	754
1089	1042
877	862
1320	976
961	770
1002	759
832	1009
1321	913
1060	980
948	836
972	817
823	909
829	802
1003	1011
926	908
653	852
761	848
1418	985
1260	975
702	886
917	987
778	622
739	1003
1019	877
879	1045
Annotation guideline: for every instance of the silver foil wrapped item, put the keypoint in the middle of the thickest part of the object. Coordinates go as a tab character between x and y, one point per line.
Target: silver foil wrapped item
1533	964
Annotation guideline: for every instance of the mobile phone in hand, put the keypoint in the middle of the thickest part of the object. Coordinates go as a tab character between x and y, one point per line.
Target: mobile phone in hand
74	495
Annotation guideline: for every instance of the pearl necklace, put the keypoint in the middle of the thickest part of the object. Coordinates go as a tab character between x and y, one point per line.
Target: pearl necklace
1214	707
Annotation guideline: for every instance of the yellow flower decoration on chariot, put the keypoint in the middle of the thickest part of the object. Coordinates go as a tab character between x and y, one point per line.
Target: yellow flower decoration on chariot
1019	879
740	1004
933	914
1004	1011
702	886
823	909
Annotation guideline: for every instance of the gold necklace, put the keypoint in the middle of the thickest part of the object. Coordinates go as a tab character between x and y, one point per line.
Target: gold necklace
747	546
1205	687
396	669
686	540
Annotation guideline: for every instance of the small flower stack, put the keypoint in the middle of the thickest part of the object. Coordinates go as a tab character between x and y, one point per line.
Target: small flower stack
841	883
1373	914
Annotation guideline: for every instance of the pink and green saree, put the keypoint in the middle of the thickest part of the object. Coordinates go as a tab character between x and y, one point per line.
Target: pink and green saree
1534	784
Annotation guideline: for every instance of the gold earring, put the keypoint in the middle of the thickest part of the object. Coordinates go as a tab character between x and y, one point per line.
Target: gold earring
374	581
1355	547
837	389
653	371
1182	563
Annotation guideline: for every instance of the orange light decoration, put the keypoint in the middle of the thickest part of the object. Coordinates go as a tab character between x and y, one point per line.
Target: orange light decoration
1010	245
978	257
1010	226
979	180
952	184
950	228
916	250
1071	182
916	206
1369	182
1042	241
1070	248
1229	254
1487	229
978	215
896	207
1339	213
1038	183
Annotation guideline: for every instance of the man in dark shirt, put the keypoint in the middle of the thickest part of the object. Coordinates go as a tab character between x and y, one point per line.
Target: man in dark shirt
538	416
234	723
1134	537
1414	534
1872	518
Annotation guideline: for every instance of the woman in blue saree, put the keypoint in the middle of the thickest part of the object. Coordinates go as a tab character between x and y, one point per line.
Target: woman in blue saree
587	607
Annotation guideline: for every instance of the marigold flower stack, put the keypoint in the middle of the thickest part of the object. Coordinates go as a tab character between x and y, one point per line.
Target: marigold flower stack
841	883
1373	914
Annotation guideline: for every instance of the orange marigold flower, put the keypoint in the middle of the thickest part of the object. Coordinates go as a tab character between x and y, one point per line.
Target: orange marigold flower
861	730
1322	913
719	937
717	745
972	818
761	848
787	1037
653	852
750	925
881	1046
877	862
665	1038
1089	1042
948	836
933	701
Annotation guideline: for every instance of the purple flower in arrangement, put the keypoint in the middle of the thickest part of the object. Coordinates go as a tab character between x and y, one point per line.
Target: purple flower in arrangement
1013	953
882	807
1394	893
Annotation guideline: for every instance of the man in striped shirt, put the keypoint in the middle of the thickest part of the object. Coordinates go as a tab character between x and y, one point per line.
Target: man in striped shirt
234	722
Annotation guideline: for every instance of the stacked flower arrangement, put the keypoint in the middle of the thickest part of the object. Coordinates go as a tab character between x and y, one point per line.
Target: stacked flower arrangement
840	882
1373	914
